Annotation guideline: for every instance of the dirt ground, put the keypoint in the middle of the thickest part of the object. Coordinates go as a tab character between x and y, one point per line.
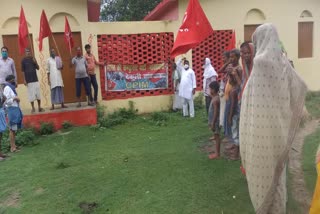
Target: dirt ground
300	193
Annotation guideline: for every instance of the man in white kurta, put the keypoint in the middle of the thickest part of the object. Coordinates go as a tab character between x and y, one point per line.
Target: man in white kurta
54	66
187	89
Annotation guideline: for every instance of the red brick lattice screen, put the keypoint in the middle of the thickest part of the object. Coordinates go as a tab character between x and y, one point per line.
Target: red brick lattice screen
135	49
212	47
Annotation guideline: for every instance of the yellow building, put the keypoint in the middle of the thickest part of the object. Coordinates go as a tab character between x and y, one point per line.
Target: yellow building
297	21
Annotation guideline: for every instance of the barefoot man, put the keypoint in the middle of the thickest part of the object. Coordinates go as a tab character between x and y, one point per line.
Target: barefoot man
54	67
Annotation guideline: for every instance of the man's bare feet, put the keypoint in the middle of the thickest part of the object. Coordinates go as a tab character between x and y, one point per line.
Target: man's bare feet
33	111
214	156
64	106
41	110
14	150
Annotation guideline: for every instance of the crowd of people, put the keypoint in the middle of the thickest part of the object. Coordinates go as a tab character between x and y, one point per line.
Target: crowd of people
10	102
258	106
222	99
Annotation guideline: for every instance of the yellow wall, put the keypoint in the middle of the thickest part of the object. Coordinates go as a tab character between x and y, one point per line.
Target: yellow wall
285	14
231	14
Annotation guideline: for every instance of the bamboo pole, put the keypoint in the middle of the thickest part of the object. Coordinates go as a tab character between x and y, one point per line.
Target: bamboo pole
55	43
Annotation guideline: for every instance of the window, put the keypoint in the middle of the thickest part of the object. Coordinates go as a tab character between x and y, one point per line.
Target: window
248	31
305	39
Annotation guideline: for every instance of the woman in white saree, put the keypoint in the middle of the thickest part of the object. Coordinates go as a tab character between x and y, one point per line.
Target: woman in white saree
272	105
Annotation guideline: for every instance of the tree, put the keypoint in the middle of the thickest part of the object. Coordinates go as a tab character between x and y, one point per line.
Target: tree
126	10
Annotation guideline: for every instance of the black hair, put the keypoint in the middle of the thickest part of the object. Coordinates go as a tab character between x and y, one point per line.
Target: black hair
10	77
235	52
186	61
5	47
245	44
87	46
226	54
214	86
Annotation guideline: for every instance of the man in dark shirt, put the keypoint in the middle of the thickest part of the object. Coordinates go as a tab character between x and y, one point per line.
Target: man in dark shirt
29	70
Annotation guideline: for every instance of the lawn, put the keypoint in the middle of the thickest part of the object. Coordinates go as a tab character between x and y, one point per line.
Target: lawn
311	143
139	167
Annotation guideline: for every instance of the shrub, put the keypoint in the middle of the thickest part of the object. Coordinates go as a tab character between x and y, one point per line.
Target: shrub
25	137
46	128
160	118
66	124
100	111
118	117
199	102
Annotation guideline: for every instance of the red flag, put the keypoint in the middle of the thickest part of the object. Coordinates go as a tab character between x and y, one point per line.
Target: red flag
194	29
68	34
232	42
23	32
45	30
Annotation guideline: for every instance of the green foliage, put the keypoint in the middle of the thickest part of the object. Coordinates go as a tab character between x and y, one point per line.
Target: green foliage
25	137
118	117
199	102
46	128
66	124
100	111
127	10
159	118
313	103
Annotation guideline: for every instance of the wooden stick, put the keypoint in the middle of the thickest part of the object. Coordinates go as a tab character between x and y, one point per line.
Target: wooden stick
70	48
31	45
55	43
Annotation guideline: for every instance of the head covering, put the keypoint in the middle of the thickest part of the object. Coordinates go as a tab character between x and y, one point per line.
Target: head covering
271	110
209	71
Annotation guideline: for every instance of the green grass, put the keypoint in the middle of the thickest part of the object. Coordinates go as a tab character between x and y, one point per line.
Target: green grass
309	155
138	167
313	103
311	142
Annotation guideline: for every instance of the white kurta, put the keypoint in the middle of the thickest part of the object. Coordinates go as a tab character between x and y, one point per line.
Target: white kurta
55	74
10	95
187	84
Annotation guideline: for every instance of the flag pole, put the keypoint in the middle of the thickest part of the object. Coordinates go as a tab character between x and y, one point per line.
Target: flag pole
31	45
69	42
55	43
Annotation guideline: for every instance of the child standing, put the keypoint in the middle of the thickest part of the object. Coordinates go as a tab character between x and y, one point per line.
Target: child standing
232	109
14	112
223	71
233	117
213	117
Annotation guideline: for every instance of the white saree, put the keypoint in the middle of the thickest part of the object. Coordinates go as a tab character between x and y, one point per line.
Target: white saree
271	110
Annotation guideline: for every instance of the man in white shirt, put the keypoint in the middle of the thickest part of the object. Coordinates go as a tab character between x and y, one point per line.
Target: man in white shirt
54	67
187	89
14	112
7	66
